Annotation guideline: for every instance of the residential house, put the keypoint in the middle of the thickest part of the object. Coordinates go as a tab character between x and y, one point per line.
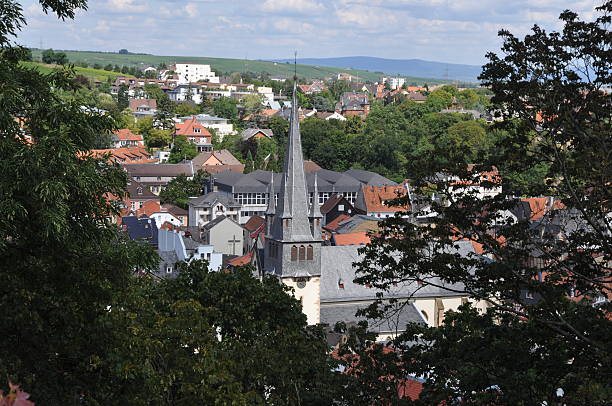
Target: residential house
222	126
327	115
124	138
189	92
140	105
195	133
335	206
353	104
140	229
209	207
138	194
225	234
253	229
374	200
174	247
256	133
157	176
169	213
217	161
129	155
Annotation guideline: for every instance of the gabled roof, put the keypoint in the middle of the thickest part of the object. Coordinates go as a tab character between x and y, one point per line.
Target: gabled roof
223	155
254	223
144	229
358	223
212	224
188	128
137	191
376	198
212	198
331	203
125	134
251	132
131	155
241	261
135	104
172	209
335	223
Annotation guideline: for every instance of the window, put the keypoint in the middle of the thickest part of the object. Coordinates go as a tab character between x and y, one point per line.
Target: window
309	252
197	130
340	284
341	207
139	190
133	205
294	253
302	253
141	205
169	269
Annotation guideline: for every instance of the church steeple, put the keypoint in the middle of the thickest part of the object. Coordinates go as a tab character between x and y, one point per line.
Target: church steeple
291	222
271	211
293	243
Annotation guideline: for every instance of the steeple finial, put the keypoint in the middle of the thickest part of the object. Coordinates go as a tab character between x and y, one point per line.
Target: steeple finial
271	197
315	211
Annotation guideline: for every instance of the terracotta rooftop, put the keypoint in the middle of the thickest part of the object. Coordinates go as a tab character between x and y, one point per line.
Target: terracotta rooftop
333	225
125	134
189	127
254	223
241	261
359	238
375	198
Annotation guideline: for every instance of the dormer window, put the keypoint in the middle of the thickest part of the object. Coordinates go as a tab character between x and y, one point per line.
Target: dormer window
139	190
197	130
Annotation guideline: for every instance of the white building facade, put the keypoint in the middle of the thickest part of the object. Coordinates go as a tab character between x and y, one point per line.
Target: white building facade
194	72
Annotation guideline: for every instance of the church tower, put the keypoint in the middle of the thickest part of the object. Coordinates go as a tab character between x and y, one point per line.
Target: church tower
293	240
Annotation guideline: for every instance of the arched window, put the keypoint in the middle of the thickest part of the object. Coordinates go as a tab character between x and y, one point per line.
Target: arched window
294	253
302	253
309	252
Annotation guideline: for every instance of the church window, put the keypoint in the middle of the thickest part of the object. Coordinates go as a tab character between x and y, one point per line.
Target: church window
294	253
302	253
340	284
309	253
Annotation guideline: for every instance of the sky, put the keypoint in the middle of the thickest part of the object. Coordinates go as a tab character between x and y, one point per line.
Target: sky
452	31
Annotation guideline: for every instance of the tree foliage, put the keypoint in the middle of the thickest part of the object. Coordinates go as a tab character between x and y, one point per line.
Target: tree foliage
544	337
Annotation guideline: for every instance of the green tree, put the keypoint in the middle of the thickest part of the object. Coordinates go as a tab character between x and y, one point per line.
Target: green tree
108	67
60	58
56	292
338	87
48	56
182	150
544	338
249	164
123	97
253	103
225	107
180	189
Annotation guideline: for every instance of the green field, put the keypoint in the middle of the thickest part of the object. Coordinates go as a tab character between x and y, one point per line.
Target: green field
226	65
90	73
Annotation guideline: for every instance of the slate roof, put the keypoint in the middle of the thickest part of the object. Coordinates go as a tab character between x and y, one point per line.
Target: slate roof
163	170
141	229
250	132
337	269
331	203
212	224
369	178
168	258
359	222
138	191
210	199
331	314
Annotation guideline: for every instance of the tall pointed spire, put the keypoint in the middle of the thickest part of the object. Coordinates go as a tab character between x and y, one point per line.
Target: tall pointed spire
315	211
291	222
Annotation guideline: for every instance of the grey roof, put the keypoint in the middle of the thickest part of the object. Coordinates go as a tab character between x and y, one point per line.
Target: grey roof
210	199
348	225
168	258
249	132
212	224
369	178
142	229
337	268
208	117
327	181
396	319
165	170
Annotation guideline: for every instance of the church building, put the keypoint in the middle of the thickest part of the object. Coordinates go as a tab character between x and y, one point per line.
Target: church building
322	275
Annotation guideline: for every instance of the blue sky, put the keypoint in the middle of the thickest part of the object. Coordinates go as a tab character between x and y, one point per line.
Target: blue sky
454	31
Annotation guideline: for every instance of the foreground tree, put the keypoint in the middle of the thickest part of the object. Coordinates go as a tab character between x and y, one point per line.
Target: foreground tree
63	262
544	338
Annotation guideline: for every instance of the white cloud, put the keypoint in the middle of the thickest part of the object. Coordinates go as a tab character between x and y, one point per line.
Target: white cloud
300	6
191	10
127	6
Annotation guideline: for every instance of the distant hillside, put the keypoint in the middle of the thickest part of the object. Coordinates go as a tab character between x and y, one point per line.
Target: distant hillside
226	65
403	67
93	74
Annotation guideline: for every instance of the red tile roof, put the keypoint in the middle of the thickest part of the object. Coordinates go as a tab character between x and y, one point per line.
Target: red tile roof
360	238
241	261
254	223
375	198
335	223
125	134
188	129
132	155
